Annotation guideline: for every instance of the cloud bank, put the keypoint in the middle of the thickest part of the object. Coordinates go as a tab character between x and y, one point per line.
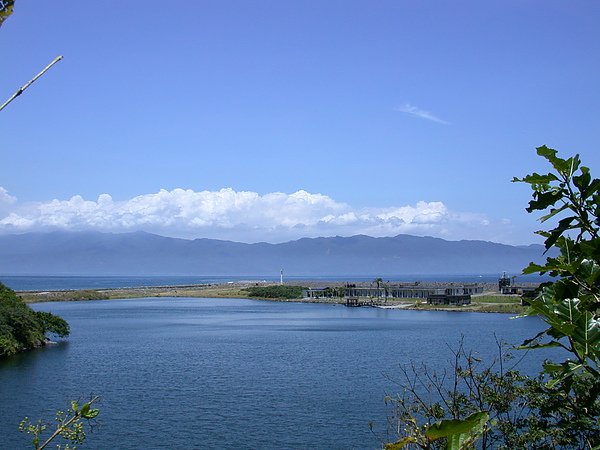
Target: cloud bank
241	216
407	108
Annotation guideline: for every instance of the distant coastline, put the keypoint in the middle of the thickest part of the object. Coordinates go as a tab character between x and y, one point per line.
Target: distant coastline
65	282
490	301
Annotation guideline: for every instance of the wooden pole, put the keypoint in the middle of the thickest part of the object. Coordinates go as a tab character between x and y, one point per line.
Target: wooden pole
30	82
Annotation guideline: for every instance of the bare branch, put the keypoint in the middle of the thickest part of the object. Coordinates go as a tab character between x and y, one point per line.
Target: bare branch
30	82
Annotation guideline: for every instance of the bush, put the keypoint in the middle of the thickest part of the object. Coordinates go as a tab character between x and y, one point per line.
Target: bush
277	291
21	328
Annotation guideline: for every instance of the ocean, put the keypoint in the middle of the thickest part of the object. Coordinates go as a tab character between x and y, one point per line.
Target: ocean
54	282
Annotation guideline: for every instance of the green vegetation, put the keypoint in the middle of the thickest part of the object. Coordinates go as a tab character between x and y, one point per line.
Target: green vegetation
500	299
276	291
6	9
492	407
21	328
507	308
70	426
63	296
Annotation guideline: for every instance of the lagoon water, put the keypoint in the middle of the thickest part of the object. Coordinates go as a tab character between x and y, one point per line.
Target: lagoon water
179	373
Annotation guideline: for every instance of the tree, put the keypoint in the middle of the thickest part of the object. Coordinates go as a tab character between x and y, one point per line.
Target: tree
378	282
21	328
569	306
560	408
53	324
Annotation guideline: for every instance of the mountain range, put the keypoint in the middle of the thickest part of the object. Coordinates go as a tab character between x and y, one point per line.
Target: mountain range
140	253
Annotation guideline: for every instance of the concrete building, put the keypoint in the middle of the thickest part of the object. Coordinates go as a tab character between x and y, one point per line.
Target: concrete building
437	293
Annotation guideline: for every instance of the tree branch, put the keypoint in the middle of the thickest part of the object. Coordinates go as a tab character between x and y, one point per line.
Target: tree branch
30	82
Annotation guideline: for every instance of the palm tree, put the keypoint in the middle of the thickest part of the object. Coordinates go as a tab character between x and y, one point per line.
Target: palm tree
378	282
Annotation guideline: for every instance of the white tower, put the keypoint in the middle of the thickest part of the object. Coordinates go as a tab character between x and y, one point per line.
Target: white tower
281	277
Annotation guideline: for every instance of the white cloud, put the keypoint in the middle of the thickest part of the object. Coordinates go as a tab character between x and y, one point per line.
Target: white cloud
407	108
6	201
5	197
241	216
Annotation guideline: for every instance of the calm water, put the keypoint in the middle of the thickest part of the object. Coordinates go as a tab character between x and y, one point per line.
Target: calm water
49	283
179	373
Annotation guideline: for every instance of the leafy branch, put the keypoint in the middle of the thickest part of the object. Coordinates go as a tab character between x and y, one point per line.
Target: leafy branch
69	426
561	407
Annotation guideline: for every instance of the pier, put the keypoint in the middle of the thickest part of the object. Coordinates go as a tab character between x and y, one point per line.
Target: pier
356	302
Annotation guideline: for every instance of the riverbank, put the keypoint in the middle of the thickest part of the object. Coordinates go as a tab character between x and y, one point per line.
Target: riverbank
490	301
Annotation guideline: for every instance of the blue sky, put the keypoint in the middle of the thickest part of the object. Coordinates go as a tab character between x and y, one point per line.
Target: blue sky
274	120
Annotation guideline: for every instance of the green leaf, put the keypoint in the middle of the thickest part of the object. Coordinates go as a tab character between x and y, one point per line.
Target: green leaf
534	339
533	268
456	441
582	182
450	427
586	335
593	188
400	444
572	165
552	367
535	346
590	271
92	413
544	199
590	249
563	225
85	409
562	372
561	165
553	212
536	178
546	152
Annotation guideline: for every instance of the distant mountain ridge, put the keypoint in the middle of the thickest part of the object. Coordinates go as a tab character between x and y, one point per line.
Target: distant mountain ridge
140	253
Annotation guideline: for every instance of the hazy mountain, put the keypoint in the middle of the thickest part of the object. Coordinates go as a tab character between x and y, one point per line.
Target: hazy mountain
93	253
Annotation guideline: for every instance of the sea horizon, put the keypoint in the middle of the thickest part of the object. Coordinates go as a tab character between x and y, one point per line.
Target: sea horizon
25	282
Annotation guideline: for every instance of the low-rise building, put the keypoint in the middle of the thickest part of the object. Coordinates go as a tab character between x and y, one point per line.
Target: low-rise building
401	291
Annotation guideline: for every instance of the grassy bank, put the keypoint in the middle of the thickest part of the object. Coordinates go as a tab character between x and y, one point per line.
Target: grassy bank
200	291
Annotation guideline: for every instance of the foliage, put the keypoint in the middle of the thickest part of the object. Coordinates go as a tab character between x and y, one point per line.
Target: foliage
560	408
6	9
64	296
69	426
275	291
53	324
522	412
85	294
21	328
569	305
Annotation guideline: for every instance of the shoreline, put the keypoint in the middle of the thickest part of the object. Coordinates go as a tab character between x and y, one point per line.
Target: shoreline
491	301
